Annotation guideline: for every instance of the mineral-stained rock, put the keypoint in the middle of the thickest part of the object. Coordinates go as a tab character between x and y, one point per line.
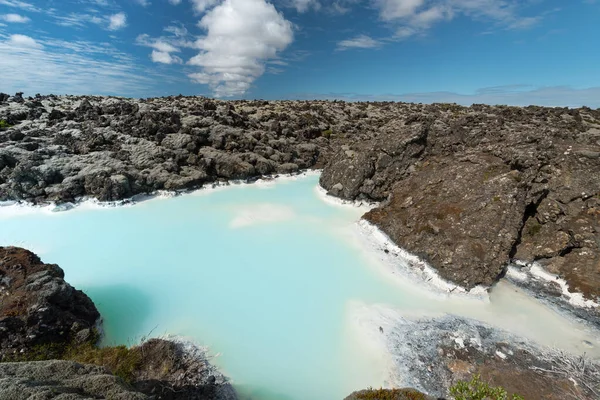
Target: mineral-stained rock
433	354
39	311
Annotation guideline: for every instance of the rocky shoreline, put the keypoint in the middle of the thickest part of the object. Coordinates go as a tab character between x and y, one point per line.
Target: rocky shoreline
467	189
49	333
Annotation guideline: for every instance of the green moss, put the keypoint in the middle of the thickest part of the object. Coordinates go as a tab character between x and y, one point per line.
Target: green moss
476	389
327	133
534	229
390	394
119	360
496	199
4	124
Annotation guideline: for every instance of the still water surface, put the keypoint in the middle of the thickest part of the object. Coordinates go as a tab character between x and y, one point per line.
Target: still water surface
272	278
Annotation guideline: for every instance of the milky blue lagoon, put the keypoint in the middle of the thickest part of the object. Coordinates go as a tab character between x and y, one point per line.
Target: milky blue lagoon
280	284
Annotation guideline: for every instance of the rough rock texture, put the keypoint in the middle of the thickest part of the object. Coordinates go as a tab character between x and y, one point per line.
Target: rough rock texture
467	188
37	307
61	380
433	354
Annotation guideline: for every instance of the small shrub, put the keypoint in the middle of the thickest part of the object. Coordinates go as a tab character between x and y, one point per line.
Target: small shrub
119	360
327	133
476	389
390	394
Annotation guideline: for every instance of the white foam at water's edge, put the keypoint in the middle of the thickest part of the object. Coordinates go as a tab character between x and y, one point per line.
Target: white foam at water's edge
11	208
535	270
398	260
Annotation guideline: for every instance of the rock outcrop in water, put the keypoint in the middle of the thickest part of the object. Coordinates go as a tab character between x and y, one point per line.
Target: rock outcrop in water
43	318
466	188
38	309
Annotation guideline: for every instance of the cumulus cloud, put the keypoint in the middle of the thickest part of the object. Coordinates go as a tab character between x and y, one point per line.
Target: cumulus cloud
202	5
14	18
361	42
416	16
241	36
162	49
23	41
117	21
164	57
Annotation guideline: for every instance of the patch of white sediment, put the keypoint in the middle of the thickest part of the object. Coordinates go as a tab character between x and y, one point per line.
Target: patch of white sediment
335	201
408	265
529	271
400	262
261	214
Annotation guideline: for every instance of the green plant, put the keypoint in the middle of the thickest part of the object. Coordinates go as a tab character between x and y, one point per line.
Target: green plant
119	360
4	124
390	394
476	389
327	133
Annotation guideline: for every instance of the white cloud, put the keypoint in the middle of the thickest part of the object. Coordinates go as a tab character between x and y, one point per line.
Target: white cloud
361	42
175	2
413	17
79	67
143	3
23	41
20	4
161	49
177	30
202	5
14	18
241	36
117	21
164	57
304	5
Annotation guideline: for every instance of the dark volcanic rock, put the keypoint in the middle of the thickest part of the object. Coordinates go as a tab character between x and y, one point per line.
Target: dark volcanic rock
37	307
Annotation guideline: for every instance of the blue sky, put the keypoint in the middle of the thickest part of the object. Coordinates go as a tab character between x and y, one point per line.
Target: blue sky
465	51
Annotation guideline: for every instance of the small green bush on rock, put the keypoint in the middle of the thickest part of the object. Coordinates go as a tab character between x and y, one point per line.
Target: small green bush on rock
476	389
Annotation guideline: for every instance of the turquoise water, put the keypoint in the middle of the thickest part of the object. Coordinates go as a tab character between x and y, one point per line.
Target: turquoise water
268	276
